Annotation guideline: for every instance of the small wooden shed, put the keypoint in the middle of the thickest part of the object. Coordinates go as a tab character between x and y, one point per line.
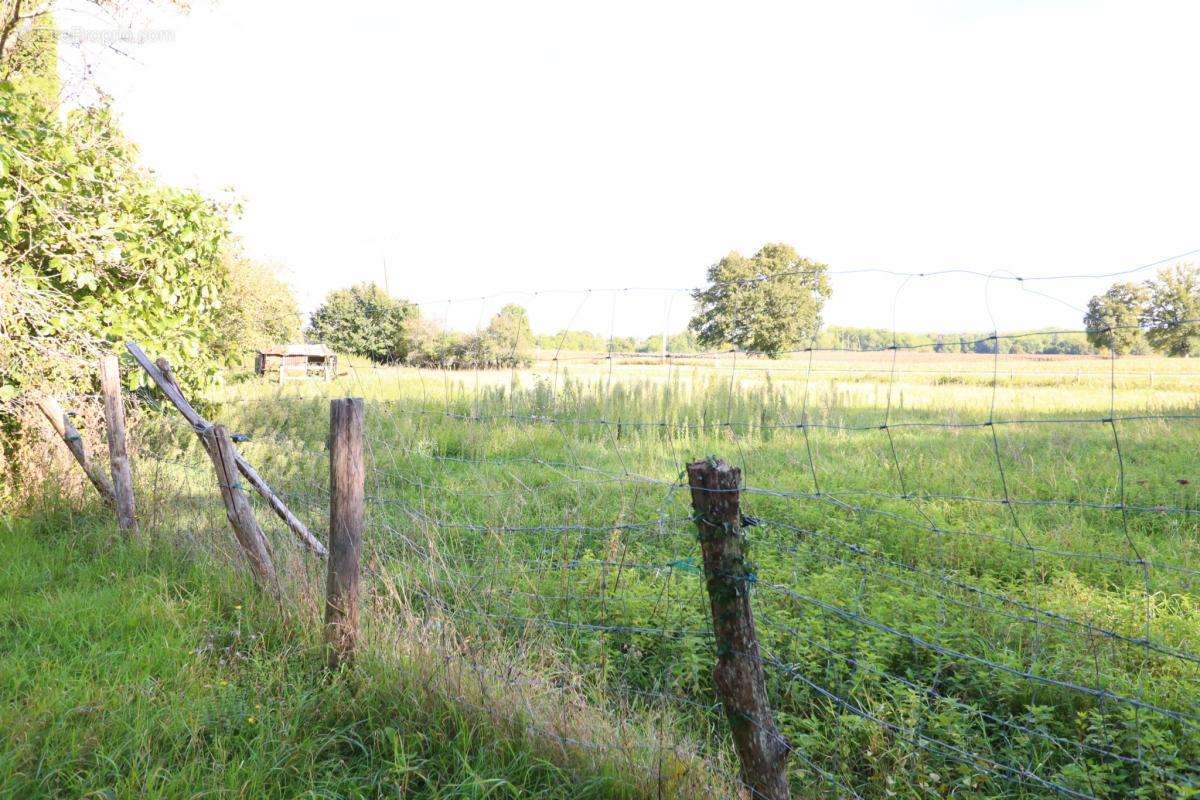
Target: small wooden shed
296	361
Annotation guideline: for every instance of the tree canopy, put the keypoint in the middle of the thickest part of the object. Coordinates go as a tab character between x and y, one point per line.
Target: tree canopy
260	308
363	320
1162	313
1172	313
1114	319
768	303
510	327
95	251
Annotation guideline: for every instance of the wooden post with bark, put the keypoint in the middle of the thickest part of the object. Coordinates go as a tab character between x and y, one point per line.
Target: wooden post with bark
739	676
118	455
347	477
164	378
74	442
237	508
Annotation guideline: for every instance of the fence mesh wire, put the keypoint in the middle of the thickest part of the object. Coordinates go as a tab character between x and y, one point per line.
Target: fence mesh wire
973	575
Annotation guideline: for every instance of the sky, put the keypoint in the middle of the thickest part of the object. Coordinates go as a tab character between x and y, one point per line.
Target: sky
508	152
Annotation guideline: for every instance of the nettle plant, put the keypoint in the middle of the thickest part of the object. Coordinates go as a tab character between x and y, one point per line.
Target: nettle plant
95	251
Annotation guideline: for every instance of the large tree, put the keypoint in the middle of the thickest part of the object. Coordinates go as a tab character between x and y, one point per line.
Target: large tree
364	321
1172	316
260	309
1114	319
768	303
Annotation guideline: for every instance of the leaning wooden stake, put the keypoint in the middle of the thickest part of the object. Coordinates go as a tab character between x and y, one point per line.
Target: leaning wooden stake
162	375
237	508
346	480
118	455
74	442
739	675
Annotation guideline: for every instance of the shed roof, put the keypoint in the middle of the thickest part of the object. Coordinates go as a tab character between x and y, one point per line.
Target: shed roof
297	350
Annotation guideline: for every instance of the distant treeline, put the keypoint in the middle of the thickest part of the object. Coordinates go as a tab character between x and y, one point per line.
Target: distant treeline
1047	342
586	341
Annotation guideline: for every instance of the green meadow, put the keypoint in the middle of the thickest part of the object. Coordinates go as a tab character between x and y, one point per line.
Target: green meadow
975	576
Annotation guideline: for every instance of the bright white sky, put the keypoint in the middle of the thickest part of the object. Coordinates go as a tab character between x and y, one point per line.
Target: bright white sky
481	147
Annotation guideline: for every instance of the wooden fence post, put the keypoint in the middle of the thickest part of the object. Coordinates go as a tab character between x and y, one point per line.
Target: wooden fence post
346	481
118	456
74	442
237	508
164	378
739	675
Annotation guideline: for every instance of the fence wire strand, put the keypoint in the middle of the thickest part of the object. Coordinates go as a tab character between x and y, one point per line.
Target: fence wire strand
967	581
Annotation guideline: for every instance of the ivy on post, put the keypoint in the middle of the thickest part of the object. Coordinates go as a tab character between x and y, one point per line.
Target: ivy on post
347	479
739	676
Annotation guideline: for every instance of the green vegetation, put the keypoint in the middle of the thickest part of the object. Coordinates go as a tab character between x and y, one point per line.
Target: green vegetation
768	303
29	47
364	321
94	250
544	517
259	310
973	577
1048	342
127	671
1114	319
841	337
1163	313
589	342
1172	314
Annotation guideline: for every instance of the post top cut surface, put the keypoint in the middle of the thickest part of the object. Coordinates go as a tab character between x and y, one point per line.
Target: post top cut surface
713	473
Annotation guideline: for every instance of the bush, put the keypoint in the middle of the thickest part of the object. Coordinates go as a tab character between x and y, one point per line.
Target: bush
97	252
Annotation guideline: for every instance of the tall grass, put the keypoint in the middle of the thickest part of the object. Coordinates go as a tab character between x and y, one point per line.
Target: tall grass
949	548
127	670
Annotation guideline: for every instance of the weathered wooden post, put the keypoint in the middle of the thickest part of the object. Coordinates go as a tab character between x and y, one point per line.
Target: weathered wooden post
118	456
160	372
74	442
739	675
347	477
237	508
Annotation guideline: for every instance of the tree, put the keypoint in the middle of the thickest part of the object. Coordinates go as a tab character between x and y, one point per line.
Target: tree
511	337
1172	313
572	340
95	251
769	303
364	321
1113	319
29	47
259	309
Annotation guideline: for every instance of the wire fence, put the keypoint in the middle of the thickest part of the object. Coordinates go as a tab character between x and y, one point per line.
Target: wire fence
982	587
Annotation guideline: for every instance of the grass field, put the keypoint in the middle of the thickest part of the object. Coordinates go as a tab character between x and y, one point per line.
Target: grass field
128	671
976	576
